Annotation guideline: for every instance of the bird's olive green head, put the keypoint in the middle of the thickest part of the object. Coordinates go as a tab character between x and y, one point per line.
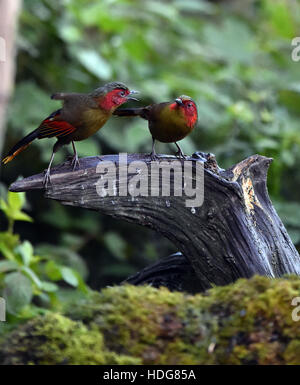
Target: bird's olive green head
184	99
101	91
112	95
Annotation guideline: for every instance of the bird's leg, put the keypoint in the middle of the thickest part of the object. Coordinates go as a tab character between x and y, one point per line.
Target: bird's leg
56	146
47	174
153	154
180	153
75	160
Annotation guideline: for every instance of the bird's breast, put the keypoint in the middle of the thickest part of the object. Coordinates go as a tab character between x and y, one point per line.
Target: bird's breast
92	120
169	128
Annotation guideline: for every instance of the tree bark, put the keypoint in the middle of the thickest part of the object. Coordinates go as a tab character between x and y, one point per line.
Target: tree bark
174	272
235	233
9	11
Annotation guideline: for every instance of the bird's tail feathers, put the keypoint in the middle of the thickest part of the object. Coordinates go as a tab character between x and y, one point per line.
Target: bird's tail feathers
20	146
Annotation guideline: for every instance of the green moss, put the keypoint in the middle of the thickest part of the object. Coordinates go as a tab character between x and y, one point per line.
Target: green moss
292	352
55	339
248	322
156	325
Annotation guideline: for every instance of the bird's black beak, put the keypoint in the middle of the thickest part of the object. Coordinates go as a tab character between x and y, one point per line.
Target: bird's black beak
179	102
129	97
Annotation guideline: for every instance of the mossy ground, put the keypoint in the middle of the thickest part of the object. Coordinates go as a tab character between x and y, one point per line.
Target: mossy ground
248	322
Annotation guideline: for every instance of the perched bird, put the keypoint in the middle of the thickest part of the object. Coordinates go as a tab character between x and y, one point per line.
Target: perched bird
169	122
81	116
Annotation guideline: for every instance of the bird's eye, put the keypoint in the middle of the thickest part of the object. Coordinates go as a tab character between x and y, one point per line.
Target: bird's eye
122	93
189	105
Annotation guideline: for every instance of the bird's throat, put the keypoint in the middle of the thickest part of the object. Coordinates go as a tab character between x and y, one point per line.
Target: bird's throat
191	120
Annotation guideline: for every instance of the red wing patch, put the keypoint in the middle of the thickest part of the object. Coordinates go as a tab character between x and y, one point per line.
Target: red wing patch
52	126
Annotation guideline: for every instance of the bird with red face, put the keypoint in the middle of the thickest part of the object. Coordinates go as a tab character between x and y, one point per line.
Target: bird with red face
81	116
168	122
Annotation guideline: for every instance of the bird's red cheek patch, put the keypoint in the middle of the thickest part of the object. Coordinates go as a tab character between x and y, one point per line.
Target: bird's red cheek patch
192	119
191	115
113	99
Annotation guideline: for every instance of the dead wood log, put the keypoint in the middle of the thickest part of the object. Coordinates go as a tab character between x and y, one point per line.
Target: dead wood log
235	233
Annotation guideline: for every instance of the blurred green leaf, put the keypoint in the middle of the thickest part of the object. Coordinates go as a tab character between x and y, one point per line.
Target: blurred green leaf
53	271
69	276
32	276
115	244
8	242
17	292
61	256
25	249
19	216
16	200
290	211
12	208
94	63
232	41
49	287
6	266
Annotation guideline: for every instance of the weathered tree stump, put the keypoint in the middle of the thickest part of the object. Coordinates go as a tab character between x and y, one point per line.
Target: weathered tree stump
235	233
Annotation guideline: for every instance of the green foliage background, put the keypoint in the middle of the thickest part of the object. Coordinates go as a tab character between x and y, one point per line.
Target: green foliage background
232	57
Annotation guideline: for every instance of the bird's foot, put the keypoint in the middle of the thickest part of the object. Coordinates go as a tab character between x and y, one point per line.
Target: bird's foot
75	162
179	154
153	156
46	178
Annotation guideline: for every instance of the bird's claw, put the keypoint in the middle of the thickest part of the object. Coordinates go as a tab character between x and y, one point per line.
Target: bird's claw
179	154
46	179
153	156
75	162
